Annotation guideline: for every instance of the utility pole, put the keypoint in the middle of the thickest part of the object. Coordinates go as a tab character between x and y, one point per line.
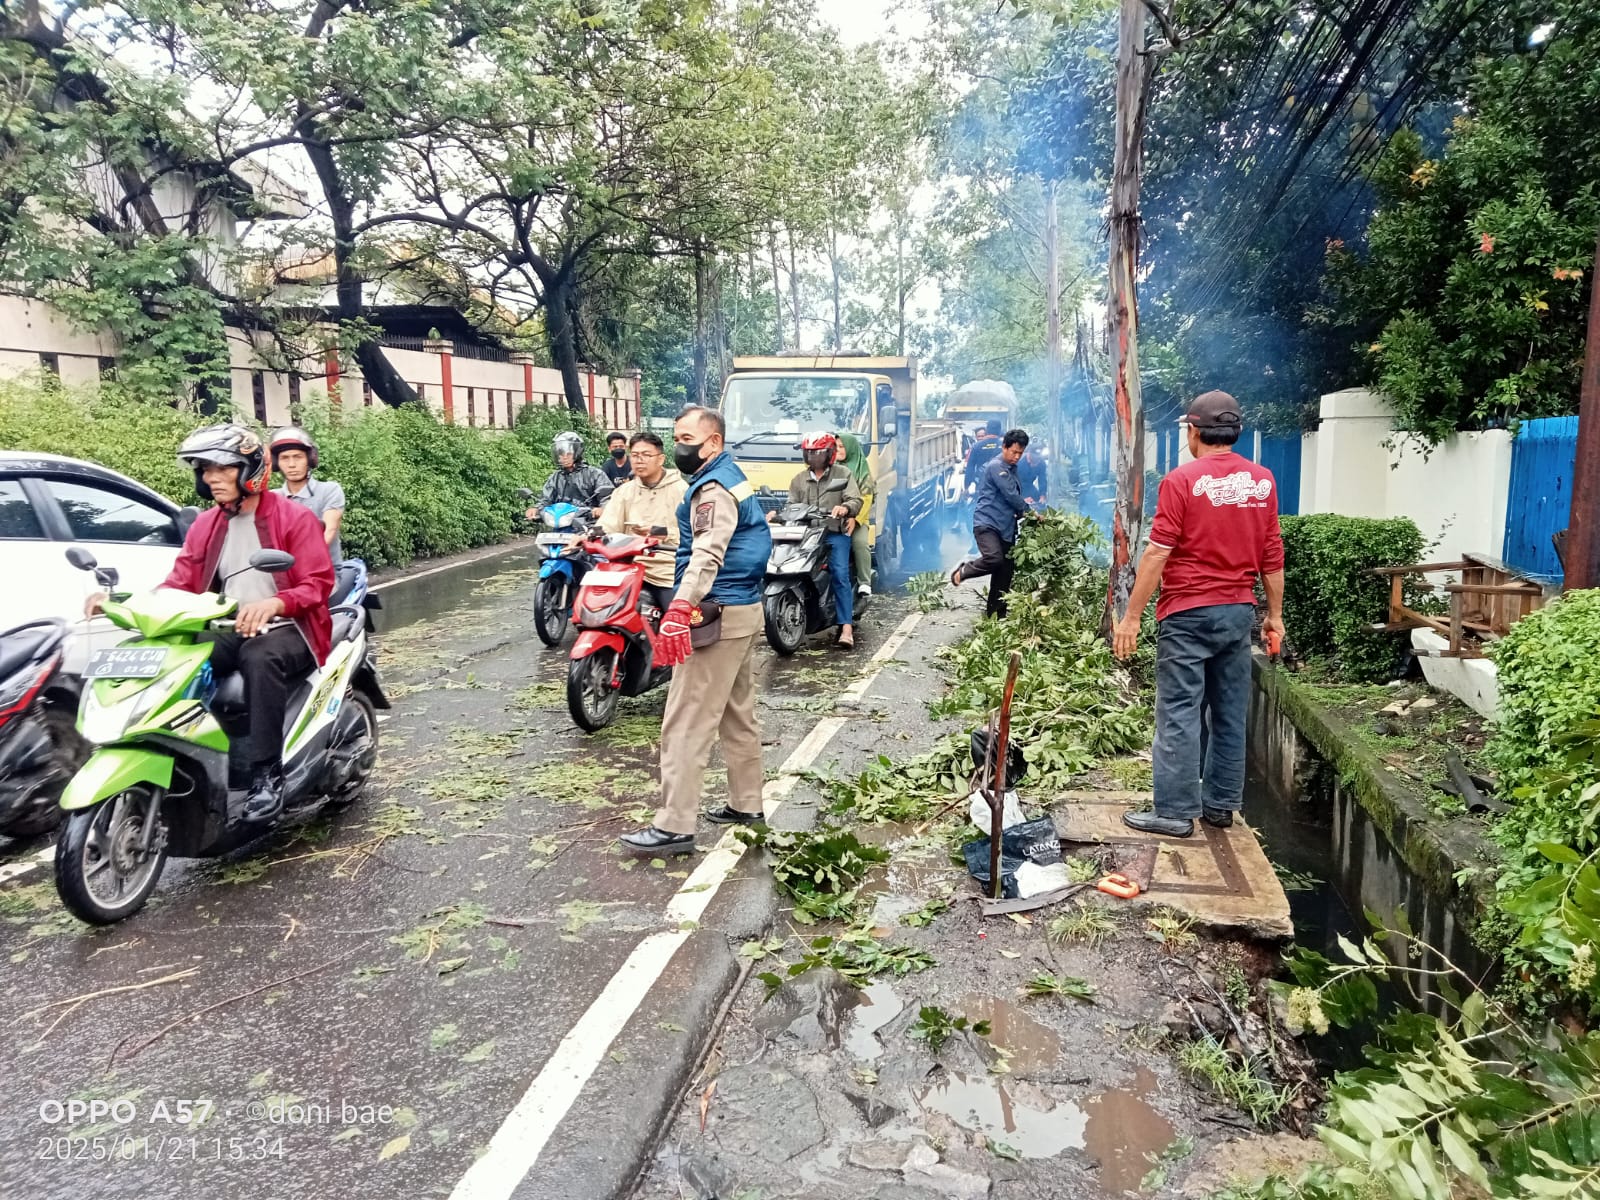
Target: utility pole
1122	314
1582	565
1058	424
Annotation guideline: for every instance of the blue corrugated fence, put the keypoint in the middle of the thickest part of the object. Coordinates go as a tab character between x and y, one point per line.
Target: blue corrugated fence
1541	493
1281	456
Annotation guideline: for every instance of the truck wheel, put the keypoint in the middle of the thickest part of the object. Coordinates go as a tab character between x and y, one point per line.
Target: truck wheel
786	622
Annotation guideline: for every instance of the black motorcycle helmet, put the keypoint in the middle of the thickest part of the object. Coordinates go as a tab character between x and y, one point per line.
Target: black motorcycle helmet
226	446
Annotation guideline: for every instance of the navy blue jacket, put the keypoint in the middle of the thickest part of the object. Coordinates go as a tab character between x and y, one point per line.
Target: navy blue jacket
1000	504
745	564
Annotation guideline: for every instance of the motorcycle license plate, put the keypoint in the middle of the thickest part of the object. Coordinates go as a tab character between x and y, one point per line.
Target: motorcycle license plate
140	662
554	539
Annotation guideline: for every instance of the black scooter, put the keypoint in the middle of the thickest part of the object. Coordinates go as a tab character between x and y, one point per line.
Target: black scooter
797	593
40	748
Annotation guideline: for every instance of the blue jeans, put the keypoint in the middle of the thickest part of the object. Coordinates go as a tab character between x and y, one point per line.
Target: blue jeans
844	595
1202	700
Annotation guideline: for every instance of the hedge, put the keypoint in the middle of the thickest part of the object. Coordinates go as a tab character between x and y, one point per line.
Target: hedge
1330	596
413	486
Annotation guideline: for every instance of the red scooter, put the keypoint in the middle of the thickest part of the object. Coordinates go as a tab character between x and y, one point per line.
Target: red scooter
616	633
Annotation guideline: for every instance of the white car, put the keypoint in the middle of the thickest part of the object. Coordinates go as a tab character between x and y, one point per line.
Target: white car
48	504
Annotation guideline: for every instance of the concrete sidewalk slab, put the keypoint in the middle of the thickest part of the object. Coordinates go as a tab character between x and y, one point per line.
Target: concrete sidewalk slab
1220	877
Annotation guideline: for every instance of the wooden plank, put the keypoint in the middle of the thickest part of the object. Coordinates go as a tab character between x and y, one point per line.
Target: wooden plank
1493	589
1397	583
1455	624
1418	569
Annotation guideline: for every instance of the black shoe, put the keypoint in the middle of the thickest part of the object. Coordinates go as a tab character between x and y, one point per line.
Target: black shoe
728	815
1218	818
1148	822
265	800
651	840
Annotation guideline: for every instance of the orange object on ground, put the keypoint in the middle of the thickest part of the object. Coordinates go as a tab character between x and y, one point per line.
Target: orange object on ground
1118	885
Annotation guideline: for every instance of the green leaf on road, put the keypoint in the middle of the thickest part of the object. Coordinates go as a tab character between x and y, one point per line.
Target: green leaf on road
395	1146
479	1053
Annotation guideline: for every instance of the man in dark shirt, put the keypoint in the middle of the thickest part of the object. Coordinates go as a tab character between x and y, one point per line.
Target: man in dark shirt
1215	532
994	523
984	449
617	466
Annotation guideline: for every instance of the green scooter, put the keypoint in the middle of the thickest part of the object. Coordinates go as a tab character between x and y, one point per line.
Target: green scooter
158	780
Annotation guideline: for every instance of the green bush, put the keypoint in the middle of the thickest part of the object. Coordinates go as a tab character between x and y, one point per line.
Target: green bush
1330	596
412	485
1548	686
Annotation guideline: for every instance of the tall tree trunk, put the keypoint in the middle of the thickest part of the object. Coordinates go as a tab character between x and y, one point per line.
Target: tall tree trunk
700	325
560	293
718	363
1122	311
794	290
838	314
777	292
350	303
1052	253
755	287
901	290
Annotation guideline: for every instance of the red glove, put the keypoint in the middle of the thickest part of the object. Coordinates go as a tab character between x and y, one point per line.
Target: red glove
672	640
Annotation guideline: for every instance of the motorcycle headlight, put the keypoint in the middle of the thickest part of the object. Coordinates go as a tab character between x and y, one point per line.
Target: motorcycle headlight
101	723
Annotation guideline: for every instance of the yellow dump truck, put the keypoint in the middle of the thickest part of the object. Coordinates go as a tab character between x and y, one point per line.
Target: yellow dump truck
770	403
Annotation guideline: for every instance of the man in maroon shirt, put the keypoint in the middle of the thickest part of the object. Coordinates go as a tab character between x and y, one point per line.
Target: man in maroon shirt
1215	533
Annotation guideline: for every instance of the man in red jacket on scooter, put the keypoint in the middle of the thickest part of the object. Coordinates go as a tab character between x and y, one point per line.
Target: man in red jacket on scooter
282	629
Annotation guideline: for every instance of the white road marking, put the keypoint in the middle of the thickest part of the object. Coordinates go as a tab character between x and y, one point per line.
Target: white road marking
378	587
523	1135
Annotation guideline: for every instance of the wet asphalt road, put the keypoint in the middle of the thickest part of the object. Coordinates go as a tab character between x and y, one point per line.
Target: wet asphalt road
355	1005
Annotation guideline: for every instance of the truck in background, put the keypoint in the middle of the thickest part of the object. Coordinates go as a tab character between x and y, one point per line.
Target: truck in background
974	404
769	403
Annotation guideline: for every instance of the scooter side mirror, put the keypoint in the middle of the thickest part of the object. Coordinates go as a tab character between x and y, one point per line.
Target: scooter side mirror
187	515
81	558
838	485
273	562
658	531
524	493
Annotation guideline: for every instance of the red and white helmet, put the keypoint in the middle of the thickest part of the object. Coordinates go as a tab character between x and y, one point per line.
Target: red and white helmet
814	443
292	437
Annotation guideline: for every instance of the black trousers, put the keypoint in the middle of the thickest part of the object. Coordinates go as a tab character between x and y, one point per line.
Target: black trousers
994	560
273	665
656	593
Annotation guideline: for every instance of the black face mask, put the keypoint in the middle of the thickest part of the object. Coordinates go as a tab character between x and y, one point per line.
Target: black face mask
620	453
686	457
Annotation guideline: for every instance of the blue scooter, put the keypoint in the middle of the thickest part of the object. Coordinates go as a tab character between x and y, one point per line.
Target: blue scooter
562	567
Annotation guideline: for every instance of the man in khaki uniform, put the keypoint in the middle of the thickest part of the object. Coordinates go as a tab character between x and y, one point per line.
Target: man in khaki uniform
649	500
707	636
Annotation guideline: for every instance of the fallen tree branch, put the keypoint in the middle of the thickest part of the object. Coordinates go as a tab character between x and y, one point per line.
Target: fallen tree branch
74	1003
196	1015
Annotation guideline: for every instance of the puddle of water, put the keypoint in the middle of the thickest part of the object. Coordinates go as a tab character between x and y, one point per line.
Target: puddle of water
878	1005
1032	1046
984	1105
1123	1134
487	580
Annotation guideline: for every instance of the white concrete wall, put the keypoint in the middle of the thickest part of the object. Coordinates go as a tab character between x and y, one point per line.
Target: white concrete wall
31	328
1457	493
1351	463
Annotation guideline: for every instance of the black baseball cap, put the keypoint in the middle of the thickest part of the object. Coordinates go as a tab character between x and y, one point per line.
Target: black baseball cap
1210	409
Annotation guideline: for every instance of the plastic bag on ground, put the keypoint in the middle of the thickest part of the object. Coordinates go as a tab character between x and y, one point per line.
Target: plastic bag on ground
1035	880
1011	812
1030	842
